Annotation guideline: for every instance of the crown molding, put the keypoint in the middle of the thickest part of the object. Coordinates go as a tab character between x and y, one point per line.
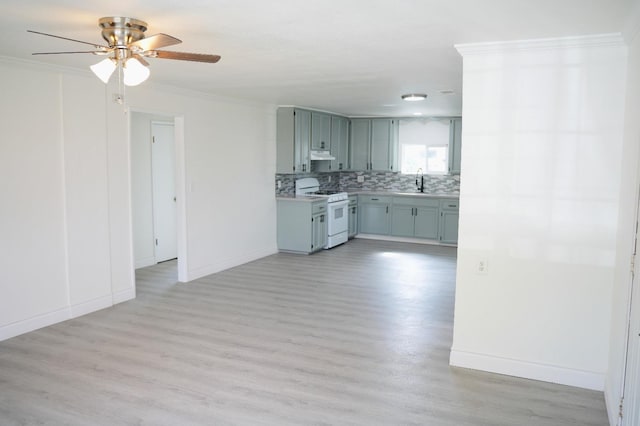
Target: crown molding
586	41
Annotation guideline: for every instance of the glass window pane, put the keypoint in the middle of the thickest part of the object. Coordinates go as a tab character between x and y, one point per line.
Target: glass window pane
437	159
414	157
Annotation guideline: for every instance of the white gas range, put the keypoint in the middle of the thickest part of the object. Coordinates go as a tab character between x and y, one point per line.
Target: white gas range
337	208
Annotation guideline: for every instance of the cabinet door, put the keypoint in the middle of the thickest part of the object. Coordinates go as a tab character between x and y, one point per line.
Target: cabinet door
426	220
360	139
402	221
374	219
319	234
339	143
449	227
302	141
353	221
320	131
381	144
455	145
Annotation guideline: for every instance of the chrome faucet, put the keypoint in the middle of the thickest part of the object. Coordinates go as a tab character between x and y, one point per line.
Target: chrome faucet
421	184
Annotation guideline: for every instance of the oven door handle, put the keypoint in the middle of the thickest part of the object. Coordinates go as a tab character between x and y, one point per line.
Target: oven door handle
338	203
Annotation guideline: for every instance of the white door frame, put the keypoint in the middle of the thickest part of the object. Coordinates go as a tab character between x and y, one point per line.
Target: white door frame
180	169
630	386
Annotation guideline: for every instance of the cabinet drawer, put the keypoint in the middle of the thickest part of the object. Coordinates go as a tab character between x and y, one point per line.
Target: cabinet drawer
450	204
319	207
374	199
416	201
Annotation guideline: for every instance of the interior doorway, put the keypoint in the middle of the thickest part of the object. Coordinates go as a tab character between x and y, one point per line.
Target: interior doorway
163	180
155	142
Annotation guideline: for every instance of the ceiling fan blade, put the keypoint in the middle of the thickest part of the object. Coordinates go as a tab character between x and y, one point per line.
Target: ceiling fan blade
95	52
183	56
70	39
142	60
155	41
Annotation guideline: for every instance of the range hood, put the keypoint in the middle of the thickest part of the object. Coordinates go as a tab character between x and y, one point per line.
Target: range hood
321	155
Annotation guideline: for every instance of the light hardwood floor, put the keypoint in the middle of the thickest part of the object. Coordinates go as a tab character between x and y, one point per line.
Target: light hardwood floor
359	334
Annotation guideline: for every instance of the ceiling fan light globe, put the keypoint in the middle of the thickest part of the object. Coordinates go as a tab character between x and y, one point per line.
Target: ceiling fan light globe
134	72
104	69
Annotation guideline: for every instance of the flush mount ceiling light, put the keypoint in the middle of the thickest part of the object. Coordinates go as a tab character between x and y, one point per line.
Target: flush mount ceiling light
412	97
127	49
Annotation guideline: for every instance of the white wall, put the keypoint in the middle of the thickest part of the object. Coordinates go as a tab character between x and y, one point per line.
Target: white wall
540	193
626	218
229	189
66	216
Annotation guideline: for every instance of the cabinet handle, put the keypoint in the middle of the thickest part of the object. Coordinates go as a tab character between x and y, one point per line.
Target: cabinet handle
322	219
374	199
452	205
387	209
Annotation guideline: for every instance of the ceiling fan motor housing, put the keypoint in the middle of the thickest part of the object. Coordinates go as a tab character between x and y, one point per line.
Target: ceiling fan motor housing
120	32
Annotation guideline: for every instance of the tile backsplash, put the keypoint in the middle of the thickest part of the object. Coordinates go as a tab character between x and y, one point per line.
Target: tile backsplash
373	181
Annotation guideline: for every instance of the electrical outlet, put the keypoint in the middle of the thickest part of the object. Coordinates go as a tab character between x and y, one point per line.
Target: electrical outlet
279	183
329	178
360	178
482	267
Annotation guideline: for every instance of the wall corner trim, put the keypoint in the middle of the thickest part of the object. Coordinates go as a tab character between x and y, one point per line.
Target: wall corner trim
598	40
528	370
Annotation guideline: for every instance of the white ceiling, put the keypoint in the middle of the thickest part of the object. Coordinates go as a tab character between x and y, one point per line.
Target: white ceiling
354	57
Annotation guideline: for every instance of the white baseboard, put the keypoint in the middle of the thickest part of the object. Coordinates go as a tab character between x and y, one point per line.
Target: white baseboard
612	403
403	240
15	329
21	327
84	308
226	263
124	295
143	263
528	370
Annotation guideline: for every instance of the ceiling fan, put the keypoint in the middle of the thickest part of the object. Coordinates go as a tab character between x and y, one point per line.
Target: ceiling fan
127	49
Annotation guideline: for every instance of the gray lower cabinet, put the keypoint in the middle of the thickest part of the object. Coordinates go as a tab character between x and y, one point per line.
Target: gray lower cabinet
412	217
374	217
353	216
302	225
449	215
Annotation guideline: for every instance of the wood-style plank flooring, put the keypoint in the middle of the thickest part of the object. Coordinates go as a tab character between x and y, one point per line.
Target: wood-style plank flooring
357	335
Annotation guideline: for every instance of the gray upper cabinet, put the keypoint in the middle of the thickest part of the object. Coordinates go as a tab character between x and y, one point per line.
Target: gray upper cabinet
293	140
359	148
382	144
339	143
455	145
320	131
374	144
